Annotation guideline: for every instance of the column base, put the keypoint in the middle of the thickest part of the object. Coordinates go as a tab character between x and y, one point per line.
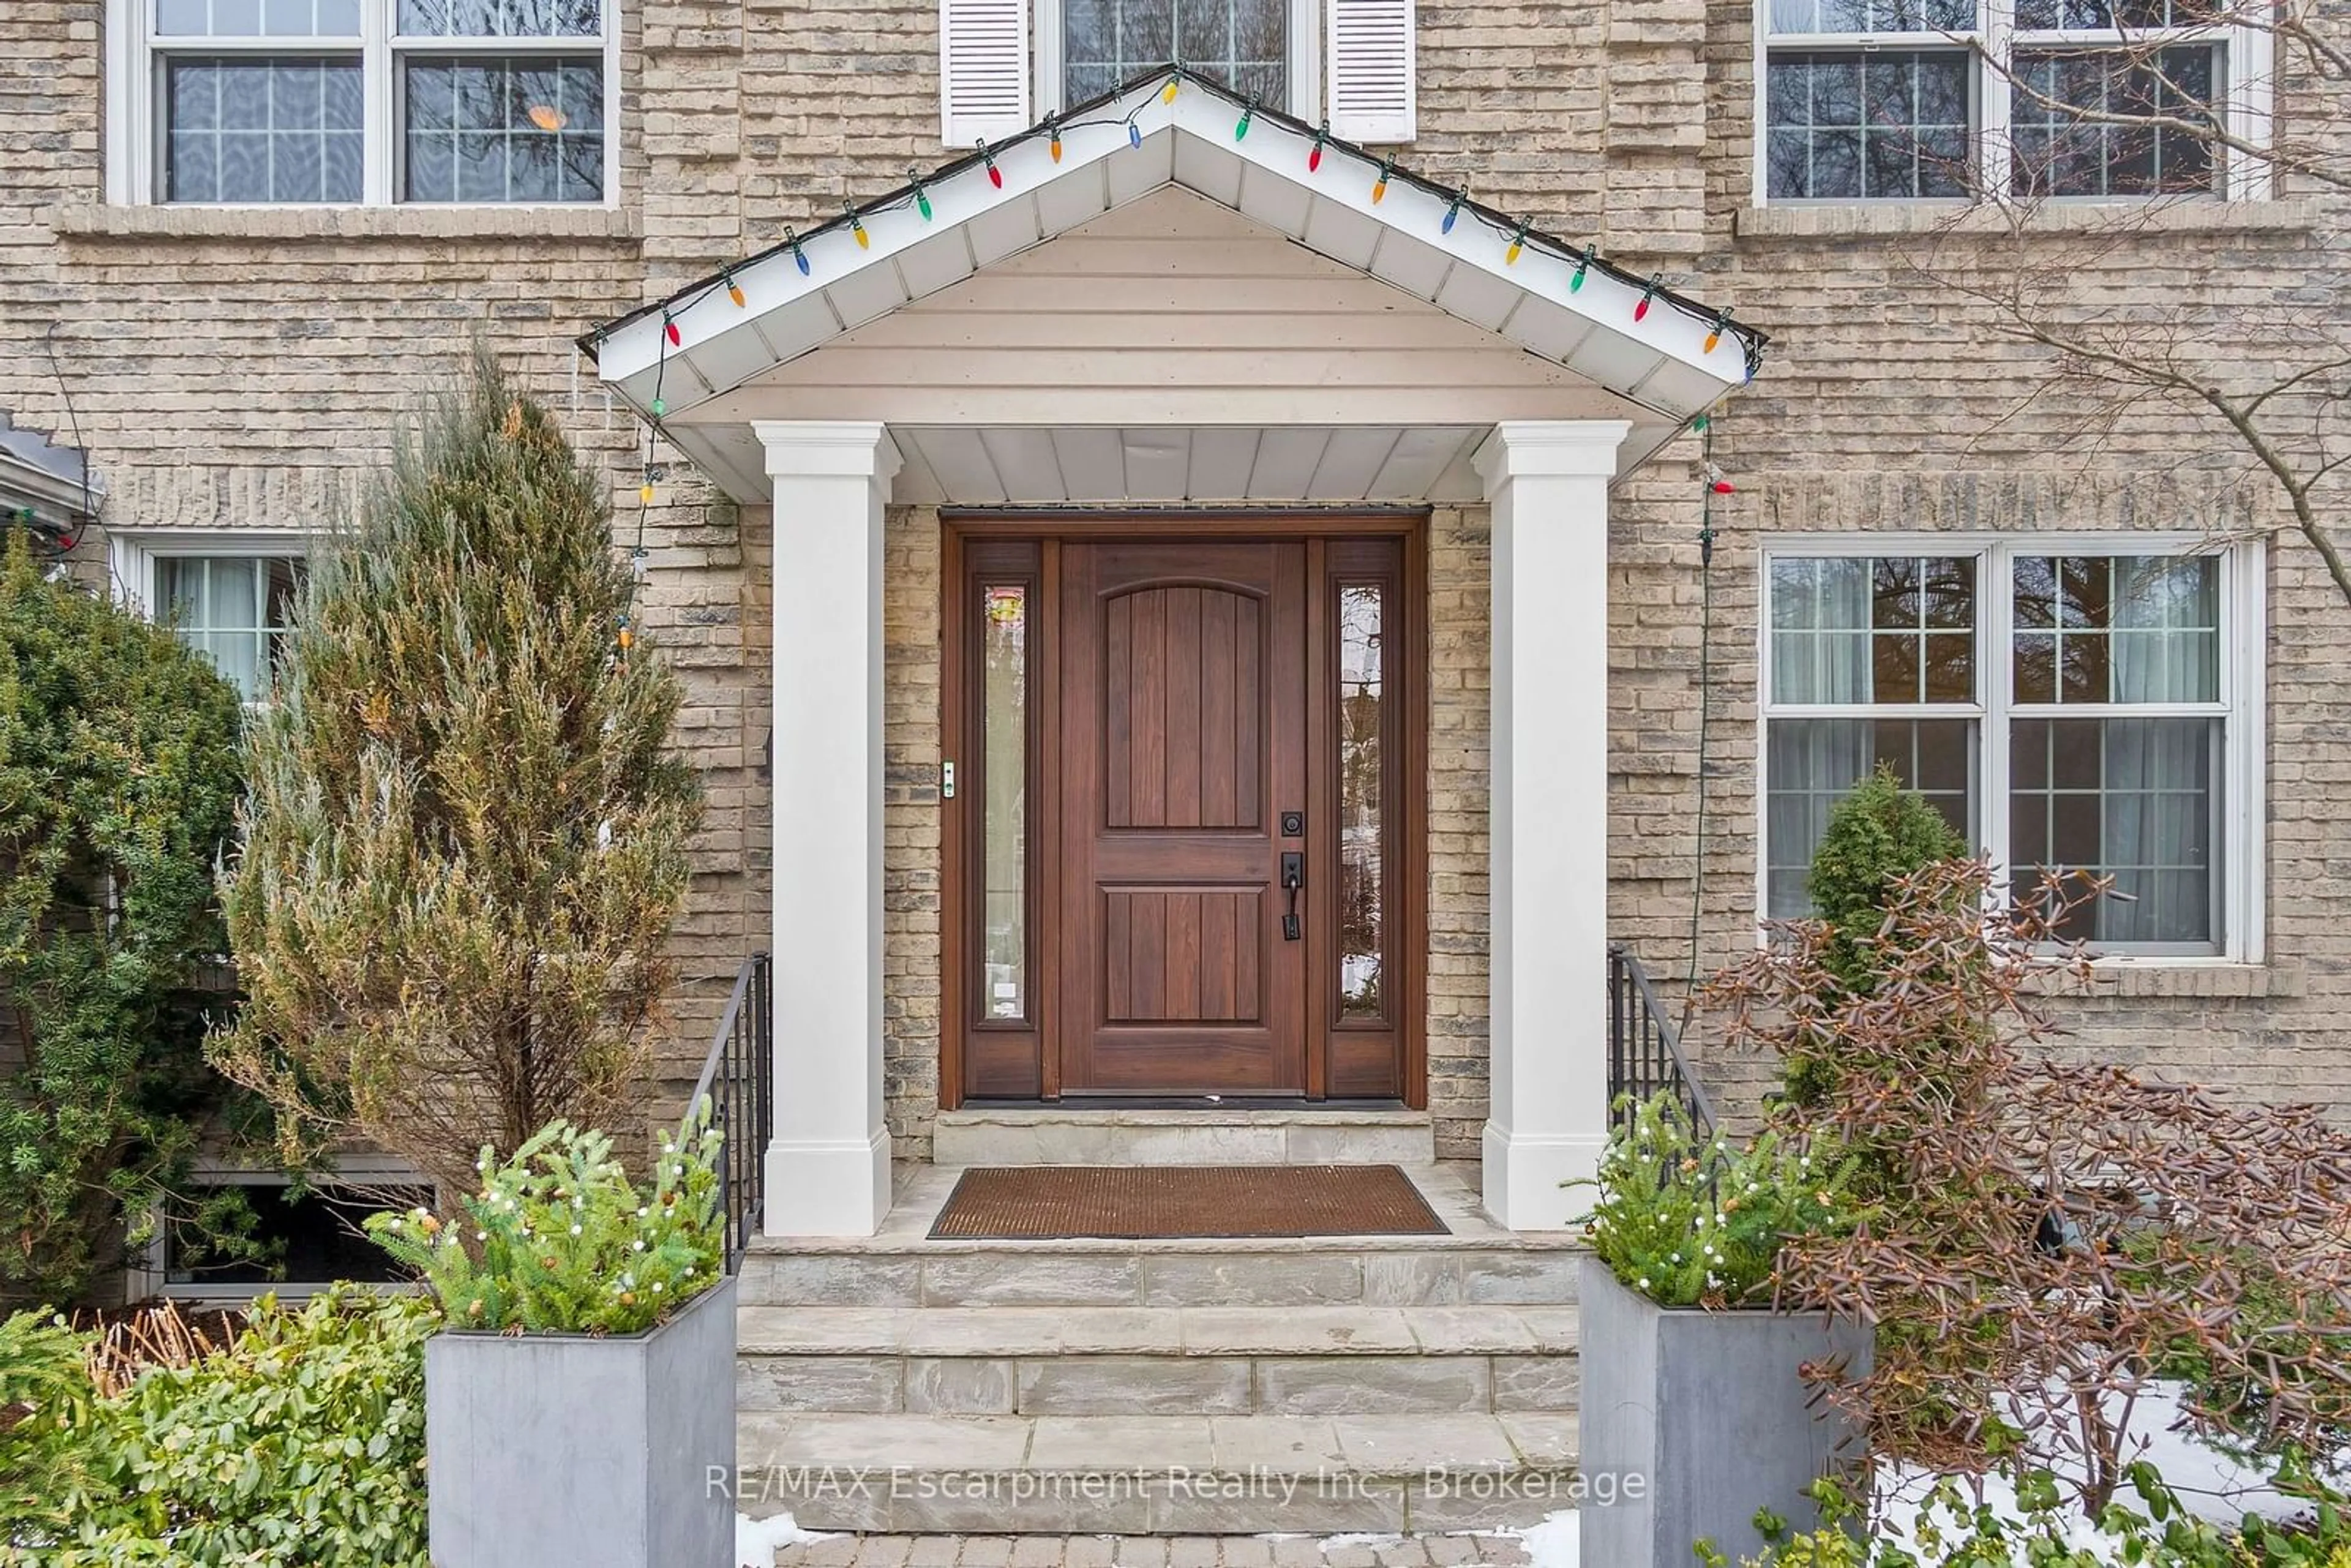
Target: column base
1523	1173
830	1188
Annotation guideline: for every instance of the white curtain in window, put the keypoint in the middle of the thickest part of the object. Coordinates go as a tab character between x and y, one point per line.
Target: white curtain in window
2156	824
214	602
1820	630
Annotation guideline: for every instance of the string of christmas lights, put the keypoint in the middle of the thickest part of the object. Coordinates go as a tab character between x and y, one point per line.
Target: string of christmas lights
1518	232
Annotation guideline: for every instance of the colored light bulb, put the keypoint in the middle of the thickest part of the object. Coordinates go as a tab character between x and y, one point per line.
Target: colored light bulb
734	292
1380	185
1314	154
1053	130
1243	129
1714	333
661	407
1168	96
1725	487
1576	284
922	197
799	258
646	493
1518	244
1134	135
864	240
670	327
1452	214
1641	311
995	175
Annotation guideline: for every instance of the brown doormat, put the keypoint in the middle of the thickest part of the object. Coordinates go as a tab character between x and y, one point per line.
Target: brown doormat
1053	1203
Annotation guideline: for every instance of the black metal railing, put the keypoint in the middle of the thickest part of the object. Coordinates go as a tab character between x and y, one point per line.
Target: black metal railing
737	1075
1645	1055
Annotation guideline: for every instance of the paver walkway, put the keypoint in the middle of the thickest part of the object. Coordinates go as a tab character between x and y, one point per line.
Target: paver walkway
1153	1552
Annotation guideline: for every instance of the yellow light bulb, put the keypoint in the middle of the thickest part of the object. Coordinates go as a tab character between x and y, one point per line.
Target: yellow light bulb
1169	95
646	493
1379	189
734	292
864	240
1510	257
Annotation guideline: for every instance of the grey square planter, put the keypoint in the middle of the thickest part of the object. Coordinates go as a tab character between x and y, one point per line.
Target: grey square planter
1709	1411
562	1451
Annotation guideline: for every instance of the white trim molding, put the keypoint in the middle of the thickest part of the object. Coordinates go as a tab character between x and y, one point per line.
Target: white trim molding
828	1167
1547	1124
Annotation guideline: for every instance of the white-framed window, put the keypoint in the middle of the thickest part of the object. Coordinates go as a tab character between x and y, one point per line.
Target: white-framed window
2079	703
1261	49
228	593
279	102
1920	100
1005	63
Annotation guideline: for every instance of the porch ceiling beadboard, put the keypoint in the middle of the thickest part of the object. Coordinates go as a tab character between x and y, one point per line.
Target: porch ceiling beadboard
976	332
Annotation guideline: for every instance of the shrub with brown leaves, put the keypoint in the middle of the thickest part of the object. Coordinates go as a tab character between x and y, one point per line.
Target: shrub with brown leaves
2052	1236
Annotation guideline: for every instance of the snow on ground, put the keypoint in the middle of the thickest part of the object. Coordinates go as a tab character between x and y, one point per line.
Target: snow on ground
2209	1484
757	1540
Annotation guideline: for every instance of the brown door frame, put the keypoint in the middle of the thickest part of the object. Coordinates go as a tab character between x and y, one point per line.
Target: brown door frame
991	543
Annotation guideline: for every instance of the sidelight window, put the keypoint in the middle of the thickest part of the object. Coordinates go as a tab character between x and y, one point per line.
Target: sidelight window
1004	798
1363	758
2076	710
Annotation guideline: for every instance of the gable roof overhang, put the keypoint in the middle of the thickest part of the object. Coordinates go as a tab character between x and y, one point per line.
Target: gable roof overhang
1655	349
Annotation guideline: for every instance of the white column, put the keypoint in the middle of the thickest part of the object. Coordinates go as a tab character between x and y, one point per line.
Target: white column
1547	1122
828	1164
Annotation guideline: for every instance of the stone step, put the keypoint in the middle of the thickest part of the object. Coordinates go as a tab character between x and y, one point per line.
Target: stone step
1065	1136
1190	1361
1391	1272
1195	1475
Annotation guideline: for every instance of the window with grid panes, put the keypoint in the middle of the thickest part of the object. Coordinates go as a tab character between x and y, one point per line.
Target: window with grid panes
1243	43
2065	710
355	100
1901	99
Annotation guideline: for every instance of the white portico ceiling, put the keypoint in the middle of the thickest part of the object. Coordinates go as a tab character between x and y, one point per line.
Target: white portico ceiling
694	363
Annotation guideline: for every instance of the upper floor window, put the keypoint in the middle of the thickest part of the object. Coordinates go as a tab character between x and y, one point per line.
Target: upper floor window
2077	707
366	101
1903	99
1243	44
1004	64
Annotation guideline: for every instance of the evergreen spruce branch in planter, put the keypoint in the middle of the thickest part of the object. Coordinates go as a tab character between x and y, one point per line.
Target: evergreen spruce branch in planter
580	1408
1692	1382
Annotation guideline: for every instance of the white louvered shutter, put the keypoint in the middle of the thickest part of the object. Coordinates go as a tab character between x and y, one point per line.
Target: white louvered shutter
1370	69
983	69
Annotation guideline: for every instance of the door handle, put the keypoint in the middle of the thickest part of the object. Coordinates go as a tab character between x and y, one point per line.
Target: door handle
1293	877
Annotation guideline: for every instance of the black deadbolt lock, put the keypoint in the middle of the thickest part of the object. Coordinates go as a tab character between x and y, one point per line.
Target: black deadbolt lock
1293	823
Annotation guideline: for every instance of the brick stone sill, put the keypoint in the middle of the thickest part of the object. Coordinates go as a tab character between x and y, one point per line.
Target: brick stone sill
1896	219
2190	977
277	225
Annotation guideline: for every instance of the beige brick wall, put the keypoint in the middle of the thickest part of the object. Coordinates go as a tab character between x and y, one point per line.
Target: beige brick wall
229	368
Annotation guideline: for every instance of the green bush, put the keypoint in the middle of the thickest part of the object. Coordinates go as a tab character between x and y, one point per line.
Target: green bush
118	781
1688	1224
301	1446
560	1241
45	1416
2151	1528
1875	836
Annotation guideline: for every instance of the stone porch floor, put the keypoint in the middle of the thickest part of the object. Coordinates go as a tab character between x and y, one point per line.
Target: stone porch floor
1153	1552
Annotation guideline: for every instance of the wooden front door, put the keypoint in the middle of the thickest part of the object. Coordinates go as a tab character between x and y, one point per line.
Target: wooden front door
1150	737
1182	676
